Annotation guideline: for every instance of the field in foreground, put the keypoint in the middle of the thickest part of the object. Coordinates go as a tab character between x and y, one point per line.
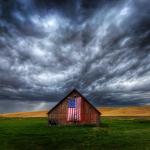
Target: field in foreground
113	134
106	111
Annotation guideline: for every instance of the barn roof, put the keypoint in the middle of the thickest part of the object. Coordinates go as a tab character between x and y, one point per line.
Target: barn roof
74	90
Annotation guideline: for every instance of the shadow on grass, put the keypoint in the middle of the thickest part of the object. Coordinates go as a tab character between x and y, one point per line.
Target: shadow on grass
104	125
142	121
101	125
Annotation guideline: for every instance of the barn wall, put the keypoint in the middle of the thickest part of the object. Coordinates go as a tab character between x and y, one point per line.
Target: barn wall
88	114
60	113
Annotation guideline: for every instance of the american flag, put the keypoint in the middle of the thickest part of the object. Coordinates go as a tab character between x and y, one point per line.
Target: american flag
74	109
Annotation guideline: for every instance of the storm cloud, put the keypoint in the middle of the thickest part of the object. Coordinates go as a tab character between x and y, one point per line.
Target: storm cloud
47	48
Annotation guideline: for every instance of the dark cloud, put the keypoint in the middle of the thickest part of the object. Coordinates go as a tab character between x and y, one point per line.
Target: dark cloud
48	48
19	106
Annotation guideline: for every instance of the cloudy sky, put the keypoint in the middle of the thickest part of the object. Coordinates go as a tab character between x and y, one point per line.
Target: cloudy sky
49	47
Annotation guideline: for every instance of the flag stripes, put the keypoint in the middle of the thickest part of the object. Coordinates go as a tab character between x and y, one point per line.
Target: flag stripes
74	109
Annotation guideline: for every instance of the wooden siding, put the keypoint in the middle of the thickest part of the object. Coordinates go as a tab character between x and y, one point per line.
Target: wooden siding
89	115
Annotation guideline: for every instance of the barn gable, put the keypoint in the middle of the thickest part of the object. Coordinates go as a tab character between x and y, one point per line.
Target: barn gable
59	112
73	91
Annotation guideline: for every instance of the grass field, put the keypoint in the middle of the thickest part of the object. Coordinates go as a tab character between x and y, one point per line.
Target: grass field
113	134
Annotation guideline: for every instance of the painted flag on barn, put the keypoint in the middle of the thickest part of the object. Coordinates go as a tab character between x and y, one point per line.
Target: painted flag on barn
74	109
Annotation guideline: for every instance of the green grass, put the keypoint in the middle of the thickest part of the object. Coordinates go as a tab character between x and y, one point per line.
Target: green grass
113	134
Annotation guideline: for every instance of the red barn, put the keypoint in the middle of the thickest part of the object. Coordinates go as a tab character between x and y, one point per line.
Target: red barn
74	109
